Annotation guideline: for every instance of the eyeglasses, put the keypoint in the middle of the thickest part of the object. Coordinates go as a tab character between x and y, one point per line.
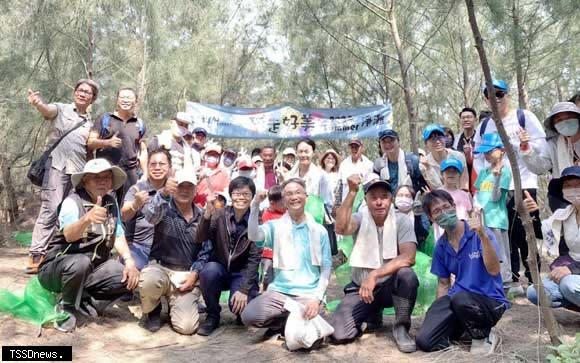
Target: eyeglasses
498	94
246	195
436	137
297	193
84	91
438	211
160	165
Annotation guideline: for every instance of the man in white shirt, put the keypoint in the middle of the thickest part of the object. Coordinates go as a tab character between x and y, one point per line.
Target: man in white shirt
517	124
357	163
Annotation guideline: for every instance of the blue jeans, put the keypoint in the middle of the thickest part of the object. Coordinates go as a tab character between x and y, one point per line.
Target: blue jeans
213	279
140	254
561	295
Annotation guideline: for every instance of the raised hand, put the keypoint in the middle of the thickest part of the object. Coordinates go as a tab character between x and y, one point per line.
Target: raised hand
141	198
170	187
115	142
529	203
354	181
98	214
474	221
34	97
524	137
261	196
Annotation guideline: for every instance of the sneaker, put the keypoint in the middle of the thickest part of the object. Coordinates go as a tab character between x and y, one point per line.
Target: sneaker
485	346
69	324
33	262
209	326
152	320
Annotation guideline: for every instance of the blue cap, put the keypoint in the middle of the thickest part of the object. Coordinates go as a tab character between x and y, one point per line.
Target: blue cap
429	129
488	143
556	185
499	84
200	129
388	133
452	163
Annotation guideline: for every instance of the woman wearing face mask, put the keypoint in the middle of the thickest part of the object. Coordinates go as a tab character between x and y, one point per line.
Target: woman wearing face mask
404	199
563	283
563	149
313	176
212	177
329	162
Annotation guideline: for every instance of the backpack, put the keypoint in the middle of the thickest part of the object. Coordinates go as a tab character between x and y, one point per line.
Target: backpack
106	123
521	121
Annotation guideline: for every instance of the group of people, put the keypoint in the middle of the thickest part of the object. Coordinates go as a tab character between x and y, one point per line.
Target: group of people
189	219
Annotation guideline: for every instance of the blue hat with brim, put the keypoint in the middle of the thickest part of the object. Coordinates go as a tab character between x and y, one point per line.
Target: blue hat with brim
489	142
452	163
429	129
499	84
556	185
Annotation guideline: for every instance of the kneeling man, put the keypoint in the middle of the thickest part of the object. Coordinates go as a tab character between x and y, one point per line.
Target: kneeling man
301	260
384	251
176	257
476	301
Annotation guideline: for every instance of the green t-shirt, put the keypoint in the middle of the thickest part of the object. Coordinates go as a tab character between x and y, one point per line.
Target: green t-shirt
494	213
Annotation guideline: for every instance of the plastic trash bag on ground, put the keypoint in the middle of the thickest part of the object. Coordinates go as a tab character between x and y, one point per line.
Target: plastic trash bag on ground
301	333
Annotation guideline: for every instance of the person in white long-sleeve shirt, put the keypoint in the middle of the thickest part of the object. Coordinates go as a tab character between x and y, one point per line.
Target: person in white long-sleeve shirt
525	131
356	163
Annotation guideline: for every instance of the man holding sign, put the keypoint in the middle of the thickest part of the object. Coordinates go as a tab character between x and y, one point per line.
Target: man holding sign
176	256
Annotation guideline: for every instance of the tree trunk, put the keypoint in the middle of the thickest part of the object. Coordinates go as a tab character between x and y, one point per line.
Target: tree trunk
9	202
518	57
90	50
545	306
464	71
407	89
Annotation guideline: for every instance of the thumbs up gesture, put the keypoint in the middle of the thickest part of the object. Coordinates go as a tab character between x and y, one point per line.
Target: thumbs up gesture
170	185
98	214
529	203
115	141
474	221
141	198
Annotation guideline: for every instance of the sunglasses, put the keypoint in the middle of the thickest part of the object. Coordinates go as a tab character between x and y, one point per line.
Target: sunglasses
498	94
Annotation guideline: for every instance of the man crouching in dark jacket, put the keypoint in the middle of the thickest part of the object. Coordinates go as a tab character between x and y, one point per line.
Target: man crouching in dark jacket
235	259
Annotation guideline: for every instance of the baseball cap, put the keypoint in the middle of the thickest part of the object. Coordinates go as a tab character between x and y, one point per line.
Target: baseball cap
200	130
183	117
355	141
373	181
431	128
499	84
246	164
289	151
488	143
388	133
560	107
452	163
185	176
213	147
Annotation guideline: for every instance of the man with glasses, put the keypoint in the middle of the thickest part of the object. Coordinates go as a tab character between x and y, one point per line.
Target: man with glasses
301	261
465	143
116	136
395	165
138	231
525	131
476	300
357	164
234	263
434	137
67	158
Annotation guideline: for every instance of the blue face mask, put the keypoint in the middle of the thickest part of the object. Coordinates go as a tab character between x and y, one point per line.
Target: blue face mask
447	220
229	161
567	127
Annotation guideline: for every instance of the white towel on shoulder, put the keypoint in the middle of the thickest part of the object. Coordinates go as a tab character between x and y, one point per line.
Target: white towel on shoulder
364	254
403	174
285	257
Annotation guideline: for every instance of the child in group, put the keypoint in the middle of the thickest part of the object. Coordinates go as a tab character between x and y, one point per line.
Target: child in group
492	186
451	170
274	211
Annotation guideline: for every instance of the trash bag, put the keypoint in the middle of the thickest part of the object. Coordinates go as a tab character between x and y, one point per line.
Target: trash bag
24	239
36	305
428	246
315	207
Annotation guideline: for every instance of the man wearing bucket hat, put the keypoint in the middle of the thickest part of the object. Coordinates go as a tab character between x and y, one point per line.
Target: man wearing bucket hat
176	257
384	252
492	186
69	156
563	148
434	137
563	283
177	140
78	264
525	131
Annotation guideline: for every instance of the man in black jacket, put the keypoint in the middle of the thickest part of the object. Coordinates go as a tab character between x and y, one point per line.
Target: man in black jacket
235	259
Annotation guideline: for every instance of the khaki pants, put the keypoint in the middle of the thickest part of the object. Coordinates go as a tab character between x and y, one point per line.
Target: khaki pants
154	282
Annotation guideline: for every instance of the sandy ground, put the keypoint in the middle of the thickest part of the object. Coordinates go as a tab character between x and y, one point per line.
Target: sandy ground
117	336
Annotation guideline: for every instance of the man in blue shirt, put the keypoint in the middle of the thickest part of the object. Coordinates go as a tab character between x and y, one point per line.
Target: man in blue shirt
301	260
476	301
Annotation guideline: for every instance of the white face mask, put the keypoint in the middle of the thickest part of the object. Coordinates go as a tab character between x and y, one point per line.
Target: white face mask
179	131
211	160
567	127
572	195
247	173
404	204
